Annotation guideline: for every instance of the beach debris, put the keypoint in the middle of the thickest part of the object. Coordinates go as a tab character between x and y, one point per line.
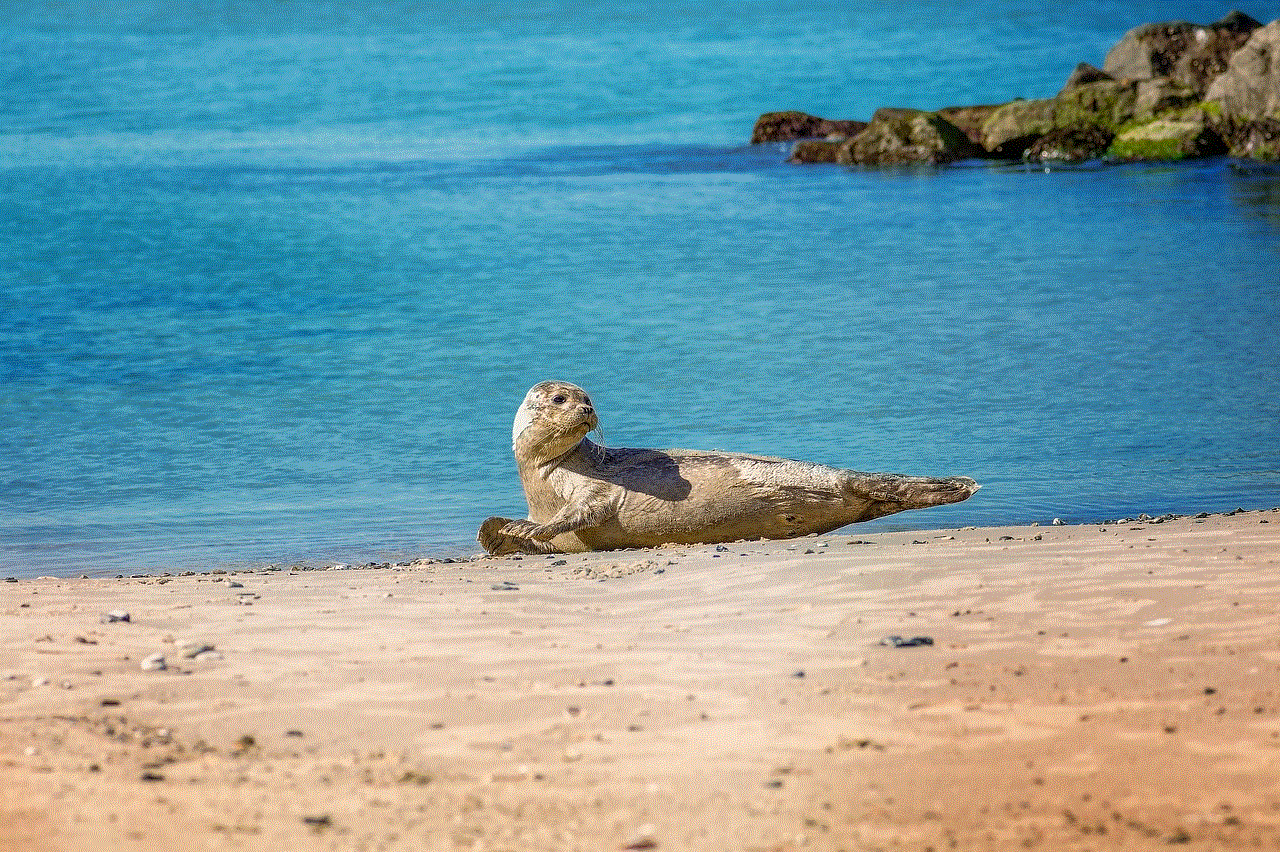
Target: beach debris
318	821
112	616
900	642
153	663
193	649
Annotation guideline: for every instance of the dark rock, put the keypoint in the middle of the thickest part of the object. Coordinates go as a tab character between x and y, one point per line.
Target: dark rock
791	125
815	151
1162	94
1190	54
1255	140
969	119
900	642
1085	73
905	137
1070	145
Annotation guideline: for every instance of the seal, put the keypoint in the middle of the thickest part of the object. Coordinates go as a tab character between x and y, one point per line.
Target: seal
585	496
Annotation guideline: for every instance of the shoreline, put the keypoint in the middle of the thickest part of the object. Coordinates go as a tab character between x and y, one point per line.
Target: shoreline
1086	686
898	525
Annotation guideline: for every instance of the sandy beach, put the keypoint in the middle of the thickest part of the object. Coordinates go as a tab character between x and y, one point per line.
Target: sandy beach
1083	687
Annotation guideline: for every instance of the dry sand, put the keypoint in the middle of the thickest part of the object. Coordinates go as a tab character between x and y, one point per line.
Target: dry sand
1087	687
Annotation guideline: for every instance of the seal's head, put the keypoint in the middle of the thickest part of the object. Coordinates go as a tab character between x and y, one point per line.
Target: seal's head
553	418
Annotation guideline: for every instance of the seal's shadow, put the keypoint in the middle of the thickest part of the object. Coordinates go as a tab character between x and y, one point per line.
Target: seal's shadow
650	472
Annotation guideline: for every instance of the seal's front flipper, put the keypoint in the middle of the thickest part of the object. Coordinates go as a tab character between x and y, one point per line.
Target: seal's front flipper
496	541
572	517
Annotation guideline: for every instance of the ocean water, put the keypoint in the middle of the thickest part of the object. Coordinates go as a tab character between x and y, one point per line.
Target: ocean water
274	276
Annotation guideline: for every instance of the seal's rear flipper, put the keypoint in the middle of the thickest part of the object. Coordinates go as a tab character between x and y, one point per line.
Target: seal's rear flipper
889	493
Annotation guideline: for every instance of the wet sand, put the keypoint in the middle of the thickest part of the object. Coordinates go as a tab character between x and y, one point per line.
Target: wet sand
1087	687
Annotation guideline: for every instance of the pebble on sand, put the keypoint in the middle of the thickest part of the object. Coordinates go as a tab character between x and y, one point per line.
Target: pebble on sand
154	663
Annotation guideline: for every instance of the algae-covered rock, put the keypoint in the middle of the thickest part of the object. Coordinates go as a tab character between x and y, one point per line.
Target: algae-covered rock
1011	129
1104	105
906	136
1107	104
1178	136
791	125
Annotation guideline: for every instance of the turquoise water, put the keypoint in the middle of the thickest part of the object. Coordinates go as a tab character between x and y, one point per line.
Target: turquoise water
276	275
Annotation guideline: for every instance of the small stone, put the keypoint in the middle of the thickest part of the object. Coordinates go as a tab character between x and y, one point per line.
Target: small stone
154	663
900	642
40	681
643	838
191	650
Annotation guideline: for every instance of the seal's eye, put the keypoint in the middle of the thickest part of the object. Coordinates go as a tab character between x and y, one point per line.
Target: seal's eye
558	399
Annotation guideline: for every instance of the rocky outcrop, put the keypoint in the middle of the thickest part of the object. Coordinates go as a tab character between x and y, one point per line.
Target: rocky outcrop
1186	53
1256	140
1070	145
1167	91
970	120
792	125
894	137
815	151
1248	95
1085	73
901	136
